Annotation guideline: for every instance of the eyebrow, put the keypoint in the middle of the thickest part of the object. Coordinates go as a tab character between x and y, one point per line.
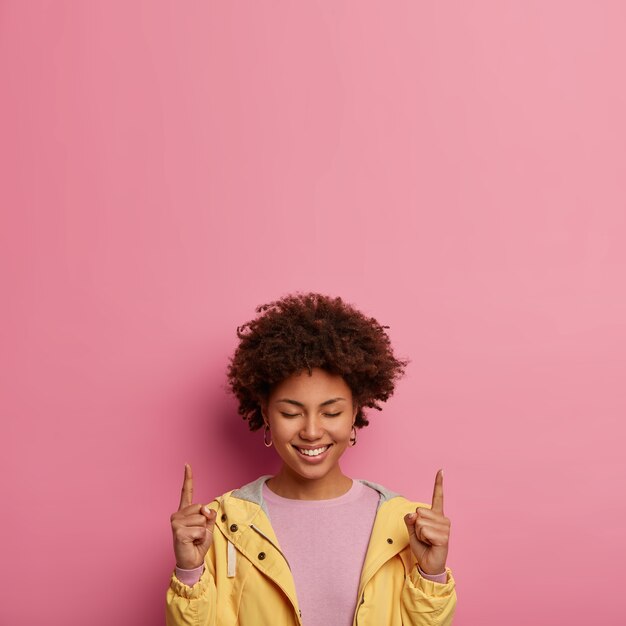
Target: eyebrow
288	400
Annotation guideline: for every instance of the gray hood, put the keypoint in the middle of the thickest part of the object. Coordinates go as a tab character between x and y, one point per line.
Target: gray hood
253	492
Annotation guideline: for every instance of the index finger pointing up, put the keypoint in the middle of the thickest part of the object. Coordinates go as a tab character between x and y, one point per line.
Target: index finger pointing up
186	495
437	504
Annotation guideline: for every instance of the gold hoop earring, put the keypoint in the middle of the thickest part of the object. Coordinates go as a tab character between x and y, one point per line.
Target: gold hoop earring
353	438
267	430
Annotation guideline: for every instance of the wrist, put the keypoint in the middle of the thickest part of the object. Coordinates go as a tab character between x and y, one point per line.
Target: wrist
189	569
421	571
189	565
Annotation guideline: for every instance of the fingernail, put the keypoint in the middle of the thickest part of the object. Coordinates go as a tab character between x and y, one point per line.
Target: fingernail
207	509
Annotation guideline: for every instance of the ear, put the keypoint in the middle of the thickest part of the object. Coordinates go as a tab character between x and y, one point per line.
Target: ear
355	410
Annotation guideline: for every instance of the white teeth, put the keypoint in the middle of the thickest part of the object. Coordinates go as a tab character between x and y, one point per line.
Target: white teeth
315	452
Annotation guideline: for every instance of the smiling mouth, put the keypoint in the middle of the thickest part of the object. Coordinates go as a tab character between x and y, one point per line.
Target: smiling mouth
314	451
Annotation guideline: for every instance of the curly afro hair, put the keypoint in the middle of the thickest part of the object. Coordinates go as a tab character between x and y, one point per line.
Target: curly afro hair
303	331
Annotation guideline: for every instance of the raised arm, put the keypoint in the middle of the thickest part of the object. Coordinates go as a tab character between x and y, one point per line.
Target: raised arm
192	532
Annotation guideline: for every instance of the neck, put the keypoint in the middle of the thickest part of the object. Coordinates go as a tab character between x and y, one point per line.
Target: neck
290	485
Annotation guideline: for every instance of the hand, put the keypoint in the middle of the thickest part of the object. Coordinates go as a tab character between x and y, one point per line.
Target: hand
429	532
192	527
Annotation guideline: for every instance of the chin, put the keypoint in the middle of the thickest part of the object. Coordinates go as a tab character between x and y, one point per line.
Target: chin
316	467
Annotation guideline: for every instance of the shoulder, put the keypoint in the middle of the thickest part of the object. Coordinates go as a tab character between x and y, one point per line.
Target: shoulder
251	491
246	500
391	501
390	529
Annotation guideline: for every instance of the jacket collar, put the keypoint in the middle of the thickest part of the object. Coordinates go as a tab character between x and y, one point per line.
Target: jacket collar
253	492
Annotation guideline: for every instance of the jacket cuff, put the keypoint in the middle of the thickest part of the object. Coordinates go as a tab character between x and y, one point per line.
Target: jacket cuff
191	593
430	587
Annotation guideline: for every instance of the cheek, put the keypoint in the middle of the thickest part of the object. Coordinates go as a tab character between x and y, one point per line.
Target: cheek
342	431
284	431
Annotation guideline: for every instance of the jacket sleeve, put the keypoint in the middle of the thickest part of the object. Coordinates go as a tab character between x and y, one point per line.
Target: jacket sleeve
427	603
191	606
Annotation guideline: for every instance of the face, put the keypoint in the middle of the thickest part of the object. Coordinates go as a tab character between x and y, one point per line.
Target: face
310	419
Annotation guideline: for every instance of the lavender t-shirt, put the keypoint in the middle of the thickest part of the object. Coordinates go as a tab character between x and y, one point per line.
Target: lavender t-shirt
325	542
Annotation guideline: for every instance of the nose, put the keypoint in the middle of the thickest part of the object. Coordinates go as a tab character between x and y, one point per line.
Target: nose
312	429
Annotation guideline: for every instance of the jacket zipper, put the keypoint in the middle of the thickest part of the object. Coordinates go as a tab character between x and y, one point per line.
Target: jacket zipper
284	557
277	548
358	606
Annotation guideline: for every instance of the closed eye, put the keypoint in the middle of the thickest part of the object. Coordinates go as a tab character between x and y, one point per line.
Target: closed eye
296	414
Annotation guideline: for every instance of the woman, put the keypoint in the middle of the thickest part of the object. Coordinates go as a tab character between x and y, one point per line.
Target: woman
310	545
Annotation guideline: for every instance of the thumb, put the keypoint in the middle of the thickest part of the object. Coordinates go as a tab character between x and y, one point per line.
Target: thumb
210	515
409	520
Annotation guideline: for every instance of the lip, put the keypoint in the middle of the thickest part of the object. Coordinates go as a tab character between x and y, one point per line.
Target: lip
313	459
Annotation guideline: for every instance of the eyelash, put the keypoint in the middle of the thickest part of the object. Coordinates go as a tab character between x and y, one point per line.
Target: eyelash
296	414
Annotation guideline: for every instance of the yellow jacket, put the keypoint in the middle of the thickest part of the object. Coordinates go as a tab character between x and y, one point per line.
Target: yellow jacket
247	579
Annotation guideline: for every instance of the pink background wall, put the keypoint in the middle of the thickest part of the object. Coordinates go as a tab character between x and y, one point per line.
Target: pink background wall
454	169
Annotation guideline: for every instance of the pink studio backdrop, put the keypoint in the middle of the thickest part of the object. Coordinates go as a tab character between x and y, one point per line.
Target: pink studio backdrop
454	169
